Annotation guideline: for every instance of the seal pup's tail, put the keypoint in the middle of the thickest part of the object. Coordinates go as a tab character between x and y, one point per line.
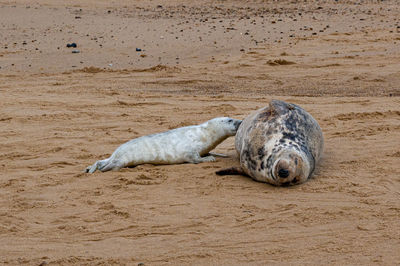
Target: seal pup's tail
231	171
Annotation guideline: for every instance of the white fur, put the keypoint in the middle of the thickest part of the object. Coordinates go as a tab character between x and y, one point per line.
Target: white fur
180	145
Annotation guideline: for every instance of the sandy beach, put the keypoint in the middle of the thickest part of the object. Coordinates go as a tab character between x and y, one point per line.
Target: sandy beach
142	67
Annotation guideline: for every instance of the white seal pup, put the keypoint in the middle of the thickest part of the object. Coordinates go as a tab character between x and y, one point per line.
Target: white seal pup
279	144
180	145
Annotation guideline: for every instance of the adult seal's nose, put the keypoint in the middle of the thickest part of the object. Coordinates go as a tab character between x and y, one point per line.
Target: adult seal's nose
283	173
283	169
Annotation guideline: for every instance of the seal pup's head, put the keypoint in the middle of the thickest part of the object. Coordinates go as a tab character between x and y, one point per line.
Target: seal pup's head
289	167
224	125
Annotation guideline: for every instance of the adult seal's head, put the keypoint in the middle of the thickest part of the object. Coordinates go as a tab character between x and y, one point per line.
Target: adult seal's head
289	167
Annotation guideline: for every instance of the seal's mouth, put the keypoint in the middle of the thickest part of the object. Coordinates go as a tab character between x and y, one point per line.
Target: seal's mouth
238	123
293	181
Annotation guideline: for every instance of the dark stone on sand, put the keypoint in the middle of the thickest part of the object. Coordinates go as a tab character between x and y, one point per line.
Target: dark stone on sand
73	45
138	50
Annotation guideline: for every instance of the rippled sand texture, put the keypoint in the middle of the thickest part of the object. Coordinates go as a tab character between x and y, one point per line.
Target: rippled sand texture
61	111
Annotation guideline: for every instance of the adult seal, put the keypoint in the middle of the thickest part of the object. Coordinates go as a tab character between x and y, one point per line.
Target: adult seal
279	144
180	145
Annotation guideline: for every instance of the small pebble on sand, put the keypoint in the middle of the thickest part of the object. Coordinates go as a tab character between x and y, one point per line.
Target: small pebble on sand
73	45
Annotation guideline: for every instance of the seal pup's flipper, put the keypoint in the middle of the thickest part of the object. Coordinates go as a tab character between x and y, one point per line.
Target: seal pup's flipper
218	154
103	166
231	171
96	166
196	158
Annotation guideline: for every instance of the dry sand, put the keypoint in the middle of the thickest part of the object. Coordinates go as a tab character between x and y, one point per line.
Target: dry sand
59	112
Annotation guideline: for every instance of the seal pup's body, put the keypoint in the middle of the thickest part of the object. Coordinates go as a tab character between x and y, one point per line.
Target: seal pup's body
180	145
279	144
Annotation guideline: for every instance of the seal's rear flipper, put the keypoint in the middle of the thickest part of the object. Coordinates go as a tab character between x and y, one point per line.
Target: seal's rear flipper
231	171
99	165
91	168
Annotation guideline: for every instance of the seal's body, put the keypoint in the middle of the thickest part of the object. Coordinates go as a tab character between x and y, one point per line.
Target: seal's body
180	145
279	144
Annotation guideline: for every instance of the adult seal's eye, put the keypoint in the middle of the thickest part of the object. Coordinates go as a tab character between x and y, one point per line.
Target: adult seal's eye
230	120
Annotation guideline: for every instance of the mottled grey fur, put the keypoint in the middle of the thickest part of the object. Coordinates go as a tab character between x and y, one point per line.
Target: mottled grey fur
279	144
